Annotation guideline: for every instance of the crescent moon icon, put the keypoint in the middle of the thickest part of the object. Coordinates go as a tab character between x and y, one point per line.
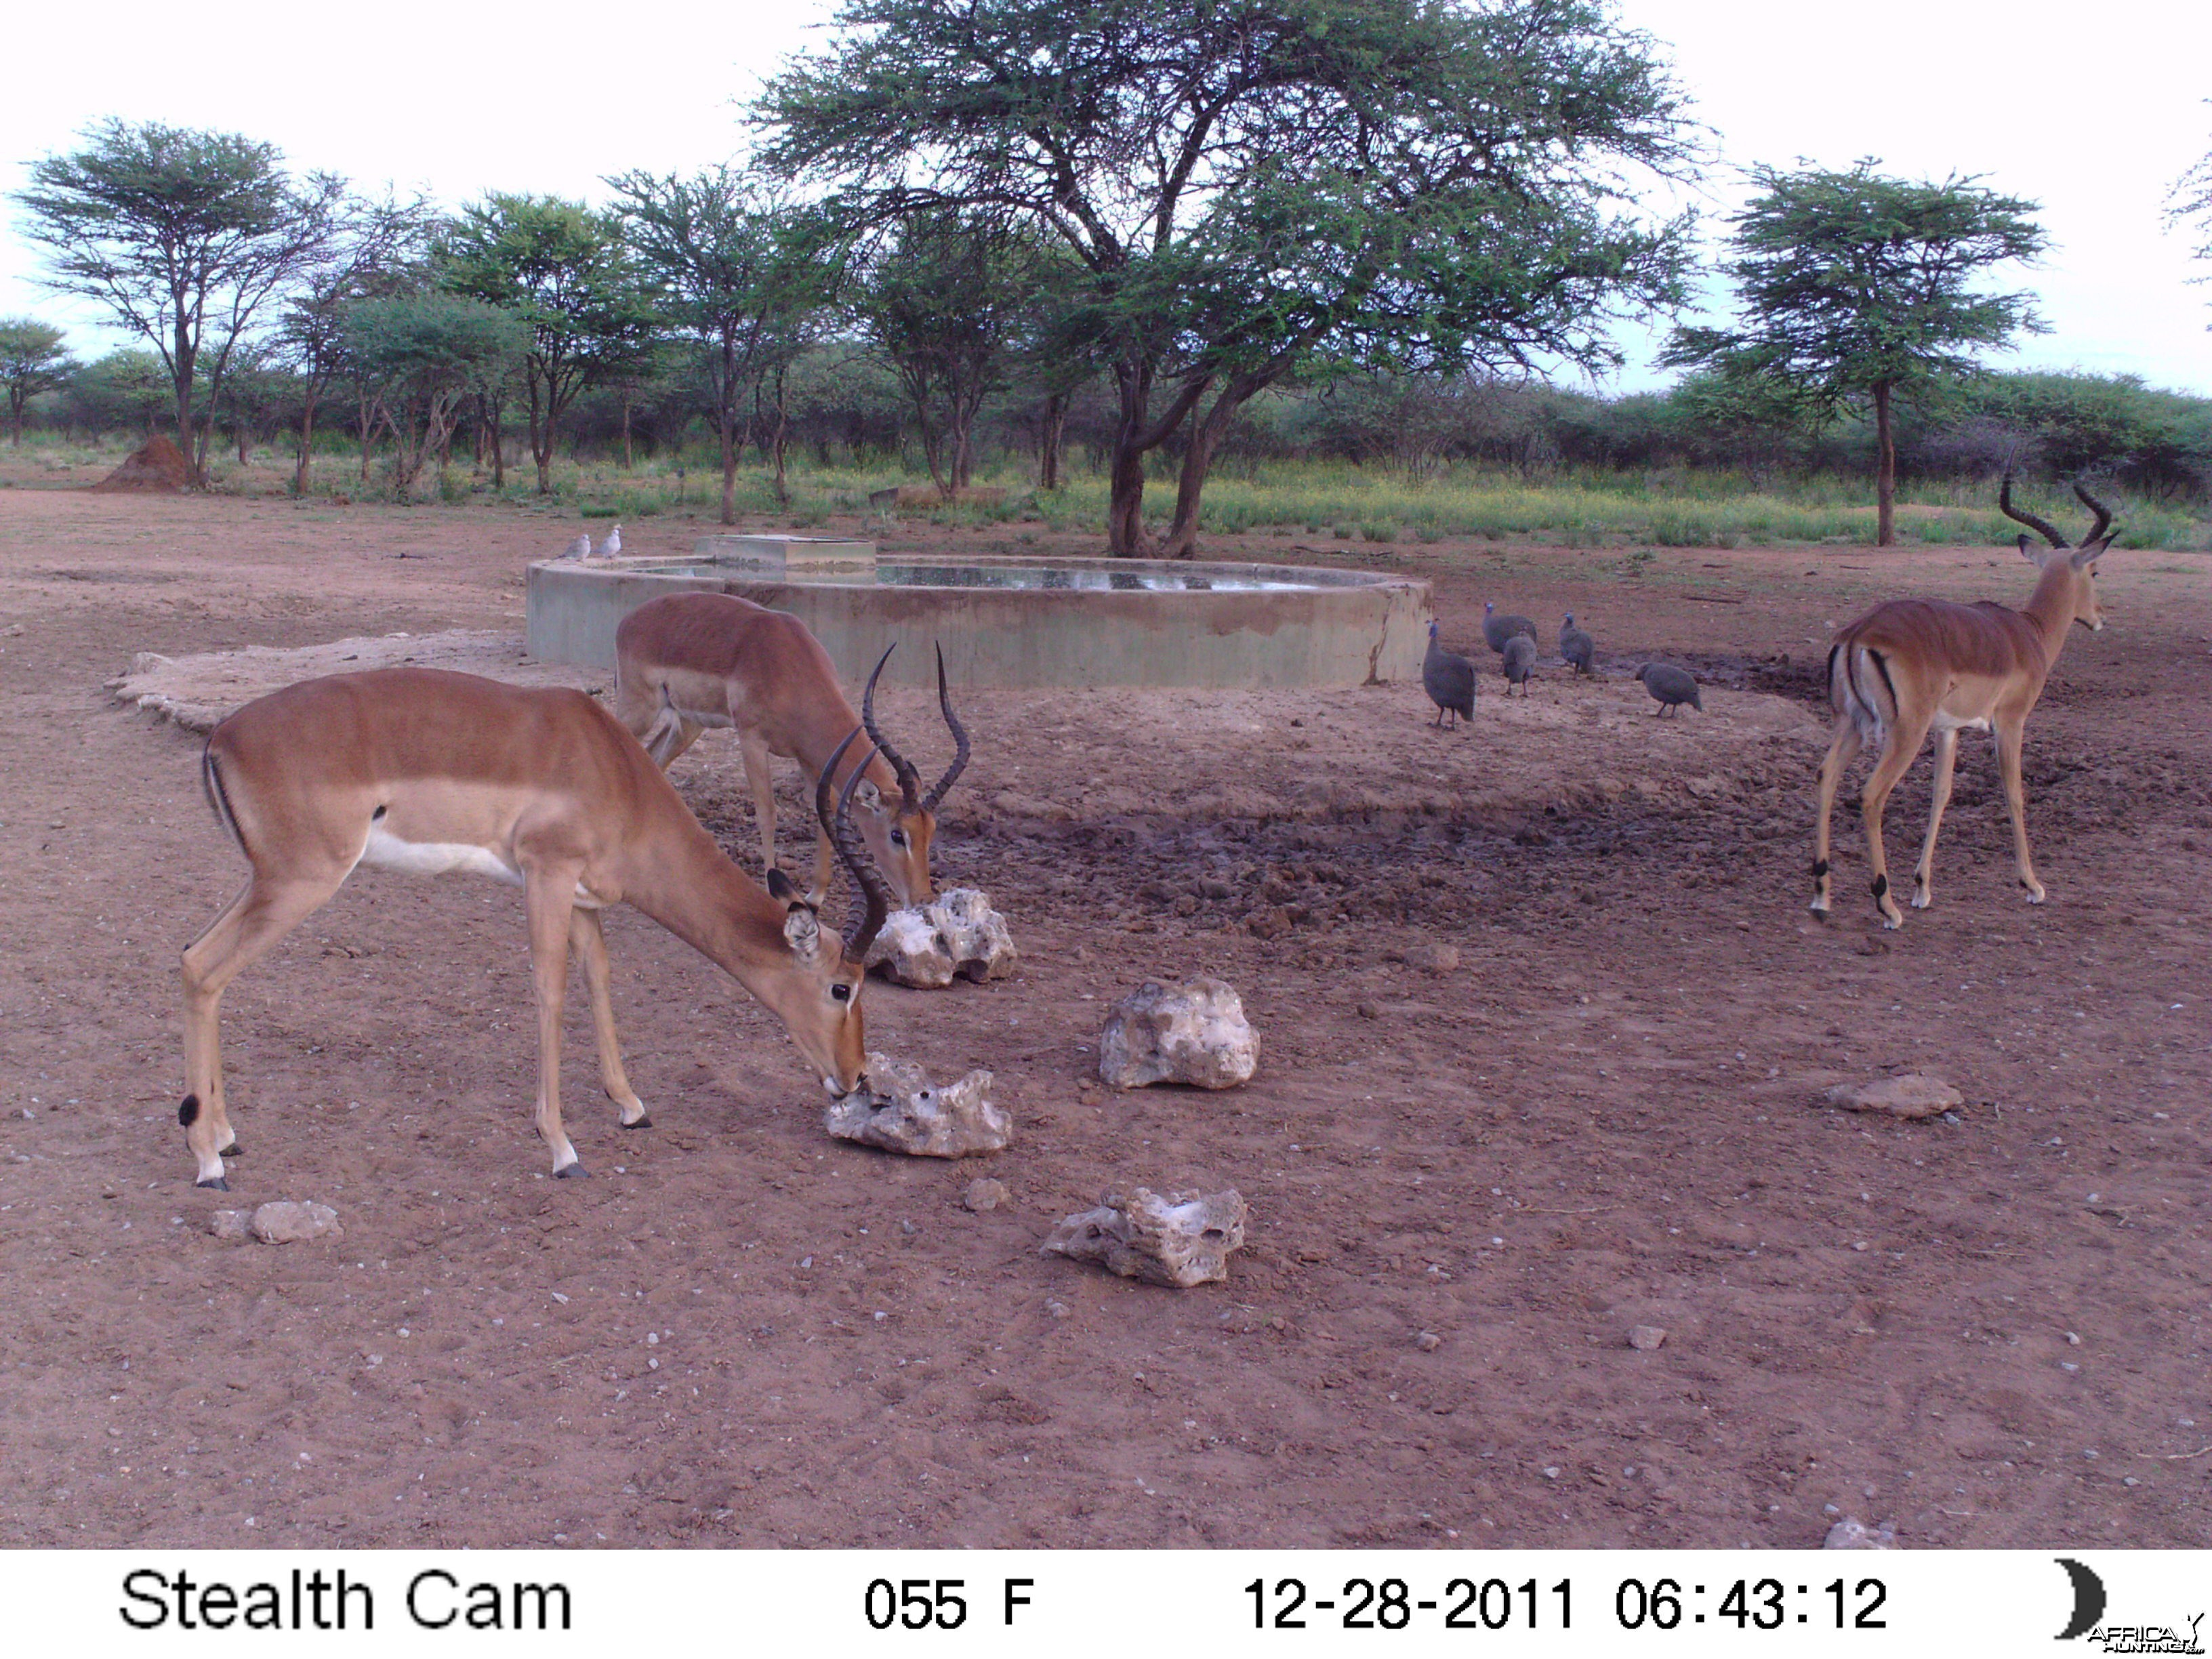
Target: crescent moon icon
2089	1599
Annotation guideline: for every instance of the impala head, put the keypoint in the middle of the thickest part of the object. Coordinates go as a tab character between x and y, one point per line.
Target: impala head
2080	562
898	833
820	1005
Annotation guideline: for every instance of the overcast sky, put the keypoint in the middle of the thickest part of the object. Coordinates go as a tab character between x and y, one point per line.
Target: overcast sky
2092	111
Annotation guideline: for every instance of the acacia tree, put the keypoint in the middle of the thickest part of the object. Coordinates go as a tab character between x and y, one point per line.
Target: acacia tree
376	247
32	359
2189	203
423	358
947	300
741	271
184	235
1856	289
562	271
1247	183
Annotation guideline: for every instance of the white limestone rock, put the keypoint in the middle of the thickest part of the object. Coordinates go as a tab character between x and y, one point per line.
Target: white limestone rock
909	951
900	1111
1852	1533
283	1222
1194	1033
230	1223
958	935
1182	1240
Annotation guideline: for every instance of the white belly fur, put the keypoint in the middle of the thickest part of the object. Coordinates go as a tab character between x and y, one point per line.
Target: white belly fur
435	857
1944	722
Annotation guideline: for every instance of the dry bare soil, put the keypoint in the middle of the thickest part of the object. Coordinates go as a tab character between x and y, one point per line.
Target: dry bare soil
1991	1330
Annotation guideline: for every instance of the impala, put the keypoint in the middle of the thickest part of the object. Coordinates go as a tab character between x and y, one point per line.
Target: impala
694	660
423	771
1913	664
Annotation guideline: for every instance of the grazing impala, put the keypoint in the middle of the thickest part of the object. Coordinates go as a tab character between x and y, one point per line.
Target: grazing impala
1913	664
424	771
692	660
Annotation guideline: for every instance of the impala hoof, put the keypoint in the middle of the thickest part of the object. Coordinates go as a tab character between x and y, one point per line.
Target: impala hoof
1819	908
231	1150
572	1172
215	1181
643	1121
1921	901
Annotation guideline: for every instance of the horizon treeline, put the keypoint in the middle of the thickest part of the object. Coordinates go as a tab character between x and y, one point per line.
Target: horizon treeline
1170	242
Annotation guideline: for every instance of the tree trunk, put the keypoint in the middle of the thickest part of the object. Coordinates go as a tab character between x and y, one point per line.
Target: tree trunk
245	434
1056	424
782	493
1206	434
627	464
306	447
729	433
367	437
1125	489
183	360
1885	476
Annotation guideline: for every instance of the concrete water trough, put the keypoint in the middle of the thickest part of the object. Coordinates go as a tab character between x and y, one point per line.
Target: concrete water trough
1016	622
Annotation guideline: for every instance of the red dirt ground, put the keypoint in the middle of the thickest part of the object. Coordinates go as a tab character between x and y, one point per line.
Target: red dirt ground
1606	1116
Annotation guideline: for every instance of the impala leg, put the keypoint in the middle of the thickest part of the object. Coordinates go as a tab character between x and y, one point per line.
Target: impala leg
1924	875
1897	757
1841	753
549	897
754	748
247	930
2010	733
588	938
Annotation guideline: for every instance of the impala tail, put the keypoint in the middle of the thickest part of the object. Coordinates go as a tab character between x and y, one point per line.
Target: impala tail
218	799
1859	685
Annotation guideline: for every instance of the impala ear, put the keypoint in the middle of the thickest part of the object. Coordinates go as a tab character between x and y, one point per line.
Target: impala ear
2027	551
869	796
802	932
2087	556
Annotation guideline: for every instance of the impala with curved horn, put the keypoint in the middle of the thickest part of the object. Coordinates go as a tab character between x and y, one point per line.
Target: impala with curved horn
424	771
1911	664
689	661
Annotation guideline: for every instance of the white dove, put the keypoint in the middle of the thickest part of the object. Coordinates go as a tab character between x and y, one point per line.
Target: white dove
612	546
579	549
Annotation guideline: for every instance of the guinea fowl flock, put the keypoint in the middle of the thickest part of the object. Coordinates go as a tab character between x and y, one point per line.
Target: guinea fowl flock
1450	678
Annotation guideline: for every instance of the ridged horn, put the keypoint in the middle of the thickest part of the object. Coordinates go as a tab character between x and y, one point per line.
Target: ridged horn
2103	513
909	780
2005	507
944	785
837	824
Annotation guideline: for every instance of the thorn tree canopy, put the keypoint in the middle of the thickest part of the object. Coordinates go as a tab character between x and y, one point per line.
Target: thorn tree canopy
2189	202
32	359
1249	183
739	269
184	235
562	269
1856	288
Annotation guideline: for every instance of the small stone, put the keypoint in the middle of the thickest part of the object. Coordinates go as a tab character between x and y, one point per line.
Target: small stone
230	1223
1850	1534
1056	1308
1912	1095
1194	1033
1433	959
985	1193
900	1112
1368	1008
1428	1342
1645	1338
284	1222
1182	1240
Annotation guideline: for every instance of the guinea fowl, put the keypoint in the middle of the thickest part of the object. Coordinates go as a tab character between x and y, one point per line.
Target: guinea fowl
1577	649
1520	663
1498	630
1672	686
1448	678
